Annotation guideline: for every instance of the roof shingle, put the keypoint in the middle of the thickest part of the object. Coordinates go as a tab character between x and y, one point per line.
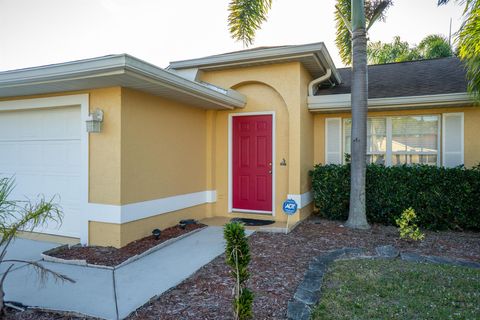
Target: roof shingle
413	78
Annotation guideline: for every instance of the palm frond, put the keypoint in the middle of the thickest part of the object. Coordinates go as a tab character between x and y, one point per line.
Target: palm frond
374	10
43	272
343	38
378	12
469	47
345	20
246	17
26	215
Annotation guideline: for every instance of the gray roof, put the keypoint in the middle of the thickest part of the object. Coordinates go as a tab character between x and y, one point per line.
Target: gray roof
413	78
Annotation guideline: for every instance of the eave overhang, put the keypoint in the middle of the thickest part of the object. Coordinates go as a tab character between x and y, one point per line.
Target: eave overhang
314	57
116	70
341	102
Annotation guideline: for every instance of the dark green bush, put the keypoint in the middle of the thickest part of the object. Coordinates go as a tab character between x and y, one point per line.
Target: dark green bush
443	198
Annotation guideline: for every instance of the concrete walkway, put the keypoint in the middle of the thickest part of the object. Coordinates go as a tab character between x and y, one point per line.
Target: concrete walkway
25	249
115	294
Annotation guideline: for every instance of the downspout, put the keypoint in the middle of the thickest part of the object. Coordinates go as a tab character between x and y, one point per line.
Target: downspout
318	81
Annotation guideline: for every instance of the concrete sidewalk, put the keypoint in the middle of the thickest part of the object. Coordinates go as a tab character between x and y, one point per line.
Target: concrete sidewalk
25	249
115	294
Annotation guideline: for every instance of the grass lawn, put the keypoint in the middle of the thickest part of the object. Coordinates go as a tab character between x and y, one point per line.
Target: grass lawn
395	289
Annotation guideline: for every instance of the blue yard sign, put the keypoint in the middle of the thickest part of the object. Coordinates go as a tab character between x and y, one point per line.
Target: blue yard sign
290	207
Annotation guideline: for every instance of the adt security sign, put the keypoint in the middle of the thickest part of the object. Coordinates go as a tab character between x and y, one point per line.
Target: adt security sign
290	207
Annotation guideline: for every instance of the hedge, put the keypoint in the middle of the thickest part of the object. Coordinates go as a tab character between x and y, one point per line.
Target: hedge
443	198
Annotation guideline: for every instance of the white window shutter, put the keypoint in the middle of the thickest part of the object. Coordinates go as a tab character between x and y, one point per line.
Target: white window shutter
333	140
452	139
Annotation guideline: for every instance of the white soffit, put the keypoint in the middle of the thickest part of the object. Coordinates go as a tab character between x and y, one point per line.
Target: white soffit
341	102
115	70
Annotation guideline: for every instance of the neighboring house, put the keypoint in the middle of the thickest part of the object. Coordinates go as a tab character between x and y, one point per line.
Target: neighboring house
230	135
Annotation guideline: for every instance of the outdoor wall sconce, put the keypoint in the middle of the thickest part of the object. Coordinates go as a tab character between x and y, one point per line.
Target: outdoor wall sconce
94	122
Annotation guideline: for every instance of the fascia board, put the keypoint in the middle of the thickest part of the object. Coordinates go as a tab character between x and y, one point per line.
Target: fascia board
244	56
341	102
115	65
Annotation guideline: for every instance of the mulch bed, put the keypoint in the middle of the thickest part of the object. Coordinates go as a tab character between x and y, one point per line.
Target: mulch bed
278	265
110	256
13	314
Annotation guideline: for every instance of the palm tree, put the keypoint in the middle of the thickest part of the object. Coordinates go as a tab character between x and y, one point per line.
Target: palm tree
357	217
374	10
246	17
469	43
434	46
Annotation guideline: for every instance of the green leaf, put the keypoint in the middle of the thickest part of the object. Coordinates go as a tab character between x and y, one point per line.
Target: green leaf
246	17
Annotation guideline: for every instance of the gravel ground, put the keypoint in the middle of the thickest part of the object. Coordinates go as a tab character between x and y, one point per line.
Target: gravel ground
277	267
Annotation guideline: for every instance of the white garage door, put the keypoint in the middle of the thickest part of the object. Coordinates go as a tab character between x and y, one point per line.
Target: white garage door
41	149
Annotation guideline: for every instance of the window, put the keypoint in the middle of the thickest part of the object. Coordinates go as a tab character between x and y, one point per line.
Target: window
399	140
376	139
415	140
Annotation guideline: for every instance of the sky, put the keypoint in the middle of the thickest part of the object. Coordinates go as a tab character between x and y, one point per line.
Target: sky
40	32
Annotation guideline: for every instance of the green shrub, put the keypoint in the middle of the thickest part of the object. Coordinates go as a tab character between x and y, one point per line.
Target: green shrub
407	226
237	256
443	198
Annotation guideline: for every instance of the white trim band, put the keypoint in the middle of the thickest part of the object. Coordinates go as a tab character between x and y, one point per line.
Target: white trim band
145	209
303	199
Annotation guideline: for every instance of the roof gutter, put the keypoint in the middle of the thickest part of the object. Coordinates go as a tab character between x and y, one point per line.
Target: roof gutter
318	81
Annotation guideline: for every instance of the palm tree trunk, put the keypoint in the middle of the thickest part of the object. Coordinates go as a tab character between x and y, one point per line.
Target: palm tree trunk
357	216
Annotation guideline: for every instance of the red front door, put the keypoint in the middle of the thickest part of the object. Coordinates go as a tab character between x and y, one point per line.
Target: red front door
252	163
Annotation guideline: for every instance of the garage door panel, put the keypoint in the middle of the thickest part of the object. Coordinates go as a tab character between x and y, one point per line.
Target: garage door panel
8	154
74	154
40	124
68	125
41	149
28	154
27	185
64	156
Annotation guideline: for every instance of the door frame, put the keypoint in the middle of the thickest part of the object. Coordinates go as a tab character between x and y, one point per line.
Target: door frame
230	158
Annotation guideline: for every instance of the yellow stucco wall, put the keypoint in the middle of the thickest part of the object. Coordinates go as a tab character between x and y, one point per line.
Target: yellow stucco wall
164	148
260	98
105	148
163	153
471	129
306	133
285	80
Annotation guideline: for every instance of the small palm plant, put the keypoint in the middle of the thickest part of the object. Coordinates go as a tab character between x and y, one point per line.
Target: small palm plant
16	216
237	254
